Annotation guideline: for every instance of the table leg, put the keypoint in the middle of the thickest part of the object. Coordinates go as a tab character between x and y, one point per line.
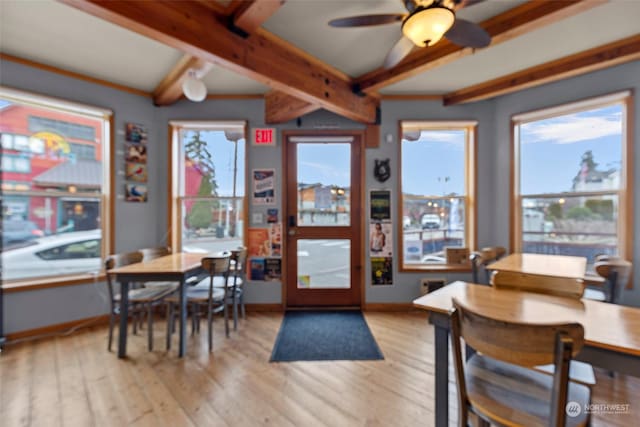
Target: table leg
124	317
182	347
442	375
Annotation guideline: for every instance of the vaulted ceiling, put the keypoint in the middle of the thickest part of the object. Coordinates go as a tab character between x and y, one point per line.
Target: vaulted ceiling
288	53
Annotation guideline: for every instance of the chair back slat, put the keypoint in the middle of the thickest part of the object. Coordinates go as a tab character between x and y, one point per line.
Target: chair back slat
522	344
216	265
560	286
152	253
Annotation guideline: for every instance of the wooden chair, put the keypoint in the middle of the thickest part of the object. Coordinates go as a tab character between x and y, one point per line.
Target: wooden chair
201	300
234	284
139	299
482	258
497	383
569	288
616	272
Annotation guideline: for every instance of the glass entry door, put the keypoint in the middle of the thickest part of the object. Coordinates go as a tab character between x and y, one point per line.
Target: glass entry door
323	219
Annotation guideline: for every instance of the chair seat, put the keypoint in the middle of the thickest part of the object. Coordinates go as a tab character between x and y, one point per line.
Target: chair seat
154	293
159	284
218	282
594	294
195	294
502	392
579	372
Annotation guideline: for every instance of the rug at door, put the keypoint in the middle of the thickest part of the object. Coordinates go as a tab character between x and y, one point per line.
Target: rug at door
324	335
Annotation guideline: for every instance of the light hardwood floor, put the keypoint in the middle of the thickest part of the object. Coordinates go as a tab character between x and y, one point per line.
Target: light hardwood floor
73	381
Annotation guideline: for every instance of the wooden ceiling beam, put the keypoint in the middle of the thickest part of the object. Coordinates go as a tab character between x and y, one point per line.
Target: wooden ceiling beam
280	107
194	29
514	22
250	15
169	90
608	55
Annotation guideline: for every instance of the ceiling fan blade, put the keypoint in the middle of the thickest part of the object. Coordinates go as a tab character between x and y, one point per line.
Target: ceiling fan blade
366	20
468	34
402	48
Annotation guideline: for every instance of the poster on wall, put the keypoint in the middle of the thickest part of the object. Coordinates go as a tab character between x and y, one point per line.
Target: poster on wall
264	187
381	271
272	215
256	268
258	244
380	239
135	192
275	238
136	172
380	202
273	269
135	133
136	153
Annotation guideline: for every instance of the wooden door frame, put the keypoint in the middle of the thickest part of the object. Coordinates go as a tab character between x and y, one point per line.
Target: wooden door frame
360	139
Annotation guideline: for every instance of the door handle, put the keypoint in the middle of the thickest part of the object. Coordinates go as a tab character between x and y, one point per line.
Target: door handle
292	225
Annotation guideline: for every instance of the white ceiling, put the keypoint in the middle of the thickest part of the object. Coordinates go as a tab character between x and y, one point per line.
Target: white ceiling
59	35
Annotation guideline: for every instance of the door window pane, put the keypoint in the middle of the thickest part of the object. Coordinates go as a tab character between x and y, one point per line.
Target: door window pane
324	263
324	174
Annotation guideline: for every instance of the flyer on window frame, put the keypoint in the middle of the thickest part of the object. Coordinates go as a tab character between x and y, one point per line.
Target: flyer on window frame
264	187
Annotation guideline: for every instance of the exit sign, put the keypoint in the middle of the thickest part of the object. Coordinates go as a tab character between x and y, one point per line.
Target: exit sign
264	136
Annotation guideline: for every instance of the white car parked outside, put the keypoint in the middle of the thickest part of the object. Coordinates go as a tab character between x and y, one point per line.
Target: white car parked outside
67	253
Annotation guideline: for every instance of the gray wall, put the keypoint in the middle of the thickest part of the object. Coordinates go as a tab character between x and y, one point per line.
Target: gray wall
145	224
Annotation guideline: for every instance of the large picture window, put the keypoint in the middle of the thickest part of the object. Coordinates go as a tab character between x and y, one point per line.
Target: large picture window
437	188
208	185
571	179
55	187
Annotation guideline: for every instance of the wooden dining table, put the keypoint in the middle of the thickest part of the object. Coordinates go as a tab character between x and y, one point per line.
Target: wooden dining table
568	267
177	267
611	332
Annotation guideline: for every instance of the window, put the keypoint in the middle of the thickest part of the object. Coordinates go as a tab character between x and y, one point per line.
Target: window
55	203
437	187
571	177
208	186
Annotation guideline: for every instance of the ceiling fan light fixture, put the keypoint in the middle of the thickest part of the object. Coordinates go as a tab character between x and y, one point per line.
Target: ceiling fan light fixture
426	25
193	88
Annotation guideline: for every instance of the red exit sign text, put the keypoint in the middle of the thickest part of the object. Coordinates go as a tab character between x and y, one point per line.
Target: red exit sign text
264	136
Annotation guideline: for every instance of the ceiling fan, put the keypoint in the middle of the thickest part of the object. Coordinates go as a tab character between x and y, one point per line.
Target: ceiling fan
425	24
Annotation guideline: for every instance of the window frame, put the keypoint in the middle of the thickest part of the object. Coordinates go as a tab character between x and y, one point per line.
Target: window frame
175	199
107	200
470	197
624	193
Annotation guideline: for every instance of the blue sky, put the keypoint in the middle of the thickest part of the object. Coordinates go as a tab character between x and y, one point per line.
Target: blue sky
556	146
222	152
427	162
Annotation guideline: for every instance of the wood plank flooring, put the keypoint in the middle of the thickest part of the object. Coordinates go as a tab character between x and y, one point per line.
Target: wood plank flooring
73	381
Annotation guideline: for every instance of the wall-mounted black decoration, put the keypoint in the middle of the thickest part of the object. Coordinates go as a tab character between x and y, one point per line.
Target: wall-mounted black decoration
382	170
